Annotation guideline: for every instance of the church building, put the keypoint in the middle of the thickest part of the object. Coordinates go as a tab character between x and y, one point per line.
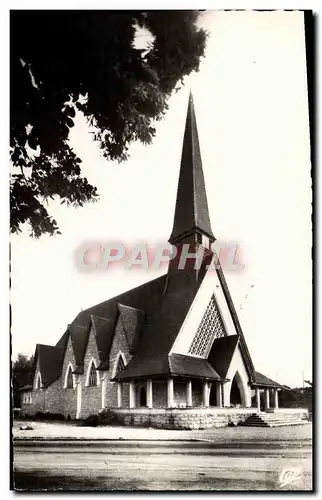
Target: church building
173	344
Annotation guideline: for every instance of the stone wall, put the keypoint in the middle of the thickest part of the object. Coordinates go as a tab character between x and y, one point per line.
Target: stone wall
201	418
91	396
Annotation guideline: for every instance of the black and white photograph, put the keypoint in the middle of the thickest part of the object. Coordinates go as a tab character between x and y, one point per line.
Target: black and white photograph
160	250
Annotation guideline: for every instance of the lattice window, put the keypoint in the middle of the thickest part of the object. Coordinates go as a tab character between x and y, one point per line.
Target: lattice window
92	380
210	328
70	381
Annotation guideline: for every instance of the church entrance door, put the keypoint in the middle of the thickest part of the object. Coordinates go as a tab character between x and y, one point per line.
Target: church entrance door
142	396
235	396
213	396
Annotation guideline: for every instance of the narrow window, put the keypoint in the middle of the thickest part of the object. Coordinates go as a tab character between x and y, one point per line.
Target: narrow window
38	381
92	380
70	382
199	238
120	365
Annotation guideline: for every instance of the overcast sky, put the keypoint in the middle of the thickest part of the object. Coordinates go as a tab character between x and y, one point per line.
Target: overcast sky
251	104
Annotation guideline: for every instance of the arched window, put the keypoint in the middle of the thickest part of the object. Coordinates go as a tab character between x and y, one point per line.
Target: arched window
38	383
119	364
70	381
92	379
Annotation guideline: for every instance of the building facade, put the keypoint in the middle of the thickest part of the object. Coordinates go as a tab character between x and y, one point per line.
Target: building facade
174	342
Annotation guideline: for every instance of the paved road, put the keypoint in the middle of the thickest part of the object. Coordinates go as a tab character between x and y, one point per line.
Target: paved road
168	465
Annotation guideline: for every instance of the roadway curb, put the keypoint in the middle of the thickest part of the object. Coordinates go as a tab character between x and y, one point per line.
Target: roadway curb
68	439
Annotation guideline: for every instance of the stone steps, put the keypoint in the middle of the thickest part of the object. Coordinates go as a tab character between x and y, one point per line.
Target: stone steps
272	420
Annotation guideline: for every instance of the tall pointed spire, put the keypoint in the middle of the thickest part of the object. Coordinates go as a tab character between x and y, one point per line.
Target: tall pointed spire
191	212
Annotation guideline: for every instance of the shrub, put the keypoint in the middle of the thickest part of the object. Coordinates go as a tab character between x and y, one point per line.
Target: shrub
26	428
48	416
92	421
109	417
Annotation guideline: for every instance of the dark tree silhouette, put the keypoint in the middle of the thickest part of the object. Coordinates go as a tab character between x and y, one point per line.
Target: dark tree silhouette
64	61
22	370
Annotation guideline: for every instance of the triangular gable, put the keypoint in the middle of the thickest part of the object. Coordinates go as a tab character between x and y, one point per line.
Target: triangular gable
209	287
213	284
221	354
238	364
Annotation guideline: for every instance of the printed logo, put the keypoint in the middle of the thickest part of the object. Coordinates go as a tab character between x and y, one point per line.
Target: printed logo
289	476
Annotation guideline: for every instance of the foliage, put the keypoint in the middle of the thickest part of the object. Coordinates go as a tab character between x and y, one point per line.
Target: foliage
92	421
63	62
48	416
296	398
22	370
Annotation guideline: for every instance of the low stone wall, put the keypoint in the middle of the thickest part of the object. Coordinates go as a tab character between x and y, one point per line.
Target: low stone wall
185	418
303	413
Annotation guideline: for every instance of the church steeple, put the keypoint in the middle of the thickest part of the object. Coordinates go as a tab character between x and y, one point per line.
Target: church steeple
191	220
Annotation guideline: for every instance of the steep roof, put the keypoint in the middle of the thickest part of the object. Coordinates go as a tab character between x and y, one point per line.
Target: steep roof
50	358
152	314
143	297
166	365
263	381
104	332
234	315
132	321
79	338
191	210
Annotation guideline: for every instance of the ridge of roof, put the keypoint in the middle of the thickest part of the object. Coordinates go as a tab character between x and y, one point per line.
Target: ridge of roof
234	315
